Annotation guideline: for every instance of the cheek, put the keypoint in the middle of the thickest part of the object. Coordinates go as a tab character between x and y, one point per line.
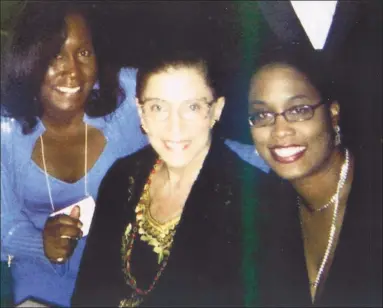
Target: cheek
260	136
49	76
318	134
90	72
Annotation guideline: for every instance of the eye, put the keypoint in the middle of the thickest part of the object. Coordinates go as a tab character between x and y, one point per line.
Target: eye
261	115
155	108
195	107
299	110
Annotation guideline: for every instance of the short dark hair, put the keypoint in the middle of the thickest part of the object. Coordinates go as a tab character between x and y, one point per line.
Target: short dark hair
175	58
313	64
37	37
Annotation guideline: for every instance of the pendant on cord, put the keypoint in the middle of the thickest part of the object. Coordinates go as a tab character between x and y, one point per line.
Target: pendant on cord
134	301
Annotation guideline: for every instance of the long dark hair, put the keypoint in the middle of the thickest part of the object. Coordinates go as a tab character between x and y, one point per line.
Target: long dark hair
37	37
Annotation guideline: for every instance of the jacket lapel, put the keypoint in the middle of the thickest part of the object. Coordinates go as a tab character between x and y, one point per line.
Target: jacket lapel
284	23
345	18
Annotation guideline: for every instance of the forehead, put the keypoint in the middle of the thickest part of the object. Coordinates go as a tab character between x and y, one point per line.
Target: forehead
278	81
177	84
77	28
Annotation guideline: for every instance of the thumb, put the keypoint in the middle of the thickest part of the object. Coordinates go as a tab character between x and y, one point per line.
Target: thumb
75	212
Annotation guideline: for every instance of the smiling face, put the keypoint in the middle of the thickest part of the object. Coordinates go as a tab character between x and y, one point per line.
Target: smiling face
71	75
292	149
182	94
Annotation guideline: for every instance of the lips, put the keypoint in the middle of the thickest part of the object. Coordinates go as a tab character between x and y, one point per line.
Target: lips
287	154
68	90
176	145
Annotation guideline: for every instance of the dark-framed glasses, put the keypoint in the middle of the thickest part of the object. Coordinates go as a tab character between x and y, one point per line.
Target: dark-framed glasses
190	110
298	113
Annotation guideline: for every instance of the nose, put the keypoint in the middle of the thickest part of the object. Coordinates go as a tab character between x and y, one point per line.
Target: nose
69	66
282	128
175	123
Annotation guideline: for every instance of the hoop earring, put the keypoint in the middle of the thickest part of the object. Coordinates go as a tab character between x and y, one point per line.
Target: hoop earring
338	139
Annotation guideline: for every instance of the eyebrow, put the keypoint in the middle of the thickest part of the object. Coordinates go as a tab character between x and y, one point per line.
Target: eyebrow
289	100
159	99
257	102
296	97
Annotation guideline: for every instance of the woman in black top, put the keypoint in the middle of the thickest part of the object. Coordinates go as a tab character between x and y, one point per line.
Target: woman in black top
325	244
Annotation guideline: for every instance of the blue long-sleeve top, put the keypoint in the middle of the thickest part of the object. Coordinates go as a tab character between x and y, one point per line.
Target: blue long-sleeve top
25	204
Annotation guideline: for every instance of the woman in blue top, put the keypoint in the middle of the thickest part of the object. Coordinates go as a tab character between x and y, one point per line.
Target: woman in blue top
60	134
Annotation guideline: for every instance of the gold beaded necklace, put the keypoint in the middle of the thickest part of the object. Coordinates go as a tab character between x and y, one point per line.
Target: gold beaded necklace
159	236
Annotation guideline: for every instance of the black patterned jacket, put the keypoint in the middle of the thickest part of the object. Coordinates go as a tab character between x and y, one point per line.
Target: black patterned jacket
212	258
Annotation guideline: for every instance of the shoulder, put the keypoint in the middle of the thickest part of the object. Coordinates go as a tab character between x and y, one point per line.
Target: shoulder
143	156
233	164
131	165
11	134
127	80
247	153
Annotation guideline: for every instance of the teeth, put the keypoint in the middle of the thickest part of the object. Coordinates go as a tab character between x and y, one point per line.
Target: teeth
68	90
175	145
287	152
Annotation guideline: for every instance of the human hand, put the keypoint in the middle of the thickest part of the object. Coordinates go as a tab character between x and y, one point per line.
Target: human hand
60	235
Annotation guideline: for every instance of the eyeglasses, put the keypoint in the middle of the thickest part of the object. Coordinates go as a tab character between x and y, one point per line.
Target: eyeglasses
159	110
294	114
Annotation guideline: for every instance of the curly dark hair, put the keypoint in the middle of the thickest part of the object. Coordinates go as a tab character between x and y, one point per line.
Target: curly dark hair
313	64
36	39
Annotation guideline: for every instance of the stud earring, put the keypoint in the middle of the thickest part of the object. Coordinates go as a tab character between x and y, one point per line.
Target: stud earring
142	129
256	152
212	125
338	140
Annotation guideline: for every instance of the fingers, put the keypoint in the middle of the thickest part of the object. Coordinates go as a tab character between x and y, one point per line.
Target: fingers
63	231
60	236
63	220
58	251
62	252
75	213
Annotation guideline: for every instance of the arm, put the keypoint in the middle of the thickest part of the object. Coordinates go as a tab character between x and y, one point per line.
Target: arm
19	237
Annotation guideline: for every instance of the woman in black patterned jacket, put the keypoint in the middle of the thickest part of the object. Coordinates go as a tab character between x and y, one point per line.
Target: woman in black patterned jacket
174	222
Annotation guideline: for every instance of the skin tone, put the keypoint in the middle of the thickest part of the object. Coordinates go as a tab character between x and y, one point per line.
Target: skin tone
303	153
64	92
182	144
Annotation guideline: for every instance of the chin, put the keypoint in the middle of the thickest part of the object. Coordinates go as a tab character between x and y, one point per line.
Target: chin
288	172
174	160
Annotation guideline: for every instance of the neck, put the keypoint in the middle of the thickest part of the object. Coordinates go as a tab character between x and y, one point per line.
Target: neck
63	123
318	188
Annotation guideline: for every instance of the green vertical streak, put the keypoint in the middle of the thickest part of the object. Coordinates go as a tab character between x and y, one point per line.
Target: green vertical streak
251	31
249	238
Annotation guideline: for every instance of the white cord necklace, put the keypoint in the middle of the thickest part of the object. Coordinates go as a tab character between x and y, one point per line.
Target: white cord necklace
341	181
85	167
